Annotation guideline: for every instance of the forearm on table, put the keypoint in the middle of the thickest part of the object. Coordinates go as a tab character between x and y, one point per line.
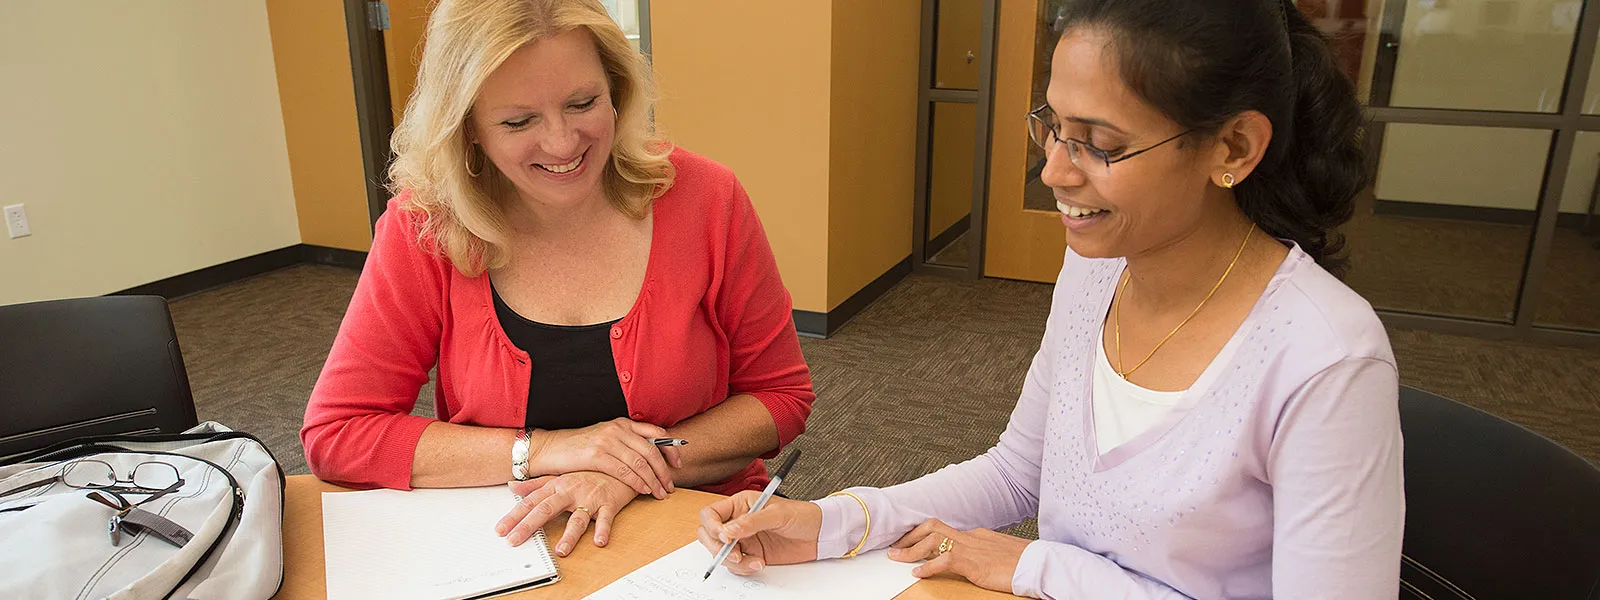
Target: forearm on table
451	455
723	440
970	495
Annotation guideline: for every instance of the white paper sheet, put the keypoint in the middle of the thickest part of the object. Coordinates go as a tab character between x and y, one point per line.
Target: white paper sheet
425	544
676	576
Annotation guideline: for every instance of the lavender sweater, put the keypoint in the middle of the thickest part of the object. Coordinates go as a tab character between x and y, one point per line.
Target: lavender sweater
1281	479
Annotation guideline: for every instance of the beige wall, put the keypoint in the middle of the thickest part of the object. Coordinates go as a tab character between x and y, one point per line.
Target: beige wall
311	55
1465	166
1465	56
747	84
873	140
146	140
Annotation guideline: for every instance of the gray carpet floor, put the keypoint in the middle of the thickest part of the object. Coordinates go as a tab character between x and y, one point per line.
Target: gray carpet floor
924	377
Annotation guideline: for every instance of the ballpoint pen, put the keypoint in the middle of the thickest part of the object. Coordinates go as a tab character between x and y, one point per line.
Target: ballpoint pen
766	494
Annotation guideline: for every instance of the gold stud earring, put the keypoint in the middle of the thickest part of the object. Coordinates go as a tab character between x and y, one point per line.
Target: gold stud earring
1227	180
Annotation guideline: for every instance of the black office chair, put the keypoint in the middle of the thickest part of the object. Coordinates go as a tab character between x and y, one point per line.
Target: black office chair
1494	511
89	366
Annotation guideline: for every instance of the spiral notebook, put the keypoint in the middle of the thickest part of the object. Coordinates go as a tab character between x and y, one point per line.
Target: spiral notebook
427	545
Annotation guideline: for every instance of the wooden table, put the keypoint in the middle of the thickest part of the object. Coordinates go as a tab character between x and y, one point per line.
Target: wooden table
648	529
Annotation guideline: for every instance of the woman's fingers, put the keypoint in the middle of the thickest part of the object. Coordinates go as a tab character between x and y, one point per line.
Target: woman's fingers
648	462
521	509
939	564
738	561
915	535
714	515
542	512
775	515
714	545
576	525
922	543
523	488
670	453
925	549
614	467
602	524
674	456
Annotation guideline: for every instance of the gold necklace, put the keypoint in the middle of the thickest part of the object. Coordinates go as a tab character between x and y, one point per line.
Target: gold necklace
1117	322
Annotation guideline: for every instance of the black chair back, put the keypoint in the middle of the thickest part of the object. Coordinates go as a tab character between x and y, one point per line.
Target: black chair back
89	366
1494	511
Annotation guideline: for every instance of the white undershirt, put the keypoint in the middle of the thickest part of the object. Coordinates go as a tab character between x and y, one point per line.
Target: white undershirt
1123	410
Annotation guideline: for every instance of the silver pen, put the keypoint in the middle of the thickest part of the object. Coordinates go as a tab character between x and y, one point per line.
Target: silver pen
766	494
669	441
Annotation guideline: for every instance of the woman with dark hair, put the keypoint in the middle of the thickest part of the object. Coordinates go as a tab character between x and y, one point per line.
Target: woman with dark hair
1212	413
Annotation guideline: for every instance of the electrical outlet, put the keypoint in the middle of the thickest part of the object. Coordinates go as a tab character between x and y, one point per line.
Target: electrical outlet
17	221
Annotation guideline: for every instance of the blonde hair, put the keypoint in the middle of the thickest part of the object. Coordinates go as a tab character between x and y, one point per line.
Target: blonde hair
466	40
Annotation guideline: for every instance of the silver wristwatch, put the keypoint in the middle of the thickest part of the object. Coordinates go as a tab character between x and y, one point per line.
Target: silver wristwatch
519	455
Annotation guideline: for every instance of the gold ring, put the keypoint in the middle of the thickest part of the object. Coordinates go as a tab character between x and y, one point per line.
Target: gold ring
946	546
578	508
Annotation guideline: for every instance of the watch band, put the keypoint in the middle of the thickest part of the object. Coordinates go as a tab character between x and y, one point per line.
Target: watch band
519	455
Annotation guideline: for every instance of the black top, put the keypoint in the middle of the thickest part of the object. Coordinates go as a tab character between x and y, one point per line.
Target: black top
574	381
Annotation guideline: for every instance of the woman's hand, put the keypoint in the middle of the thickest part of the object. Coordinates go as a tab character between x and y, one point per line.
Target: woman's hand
986	558
783	532
618	448
585	494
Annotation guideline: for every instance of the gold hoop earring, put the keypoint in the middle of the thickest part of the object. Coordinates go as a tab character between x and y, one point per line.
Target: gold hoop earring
1227	180
472	150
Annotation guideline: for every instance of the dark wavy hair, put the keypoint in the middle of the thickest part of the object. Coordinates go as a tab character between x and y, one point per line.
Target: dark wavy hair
1201	62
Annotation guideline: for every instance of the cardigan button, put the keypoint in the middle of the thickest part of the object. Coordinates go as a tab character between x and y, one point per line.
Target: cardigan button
616	332
626	376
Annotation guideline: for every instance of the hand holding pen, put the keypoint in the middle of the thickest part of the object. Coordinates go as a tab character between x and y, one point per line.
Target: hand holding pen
621	448
750	530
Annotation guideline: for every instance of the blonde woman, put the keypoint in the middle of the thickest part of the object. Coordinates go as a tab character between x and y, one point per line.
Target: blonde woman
580	285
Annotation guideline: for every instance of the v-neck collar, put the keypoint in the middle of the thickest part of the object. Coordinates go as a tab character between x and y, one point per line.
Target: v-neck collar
1191	397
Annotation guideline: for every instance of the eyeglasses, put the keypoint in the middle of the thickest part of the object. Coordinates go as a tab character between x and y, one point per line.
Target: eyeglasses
1043	130
149	477
146	477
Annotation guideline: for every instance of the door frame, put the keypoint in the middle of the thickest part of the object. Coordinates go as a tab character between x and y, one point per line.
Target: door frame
927	96
1026	244
374	114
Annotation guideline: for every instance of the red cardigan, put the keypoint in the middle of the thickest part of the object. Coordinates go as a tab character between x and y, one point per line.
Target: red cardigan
712	321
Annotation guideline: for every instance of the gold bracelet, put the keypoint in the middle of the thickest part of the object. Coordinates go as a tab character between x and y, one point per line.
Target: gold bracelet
864	534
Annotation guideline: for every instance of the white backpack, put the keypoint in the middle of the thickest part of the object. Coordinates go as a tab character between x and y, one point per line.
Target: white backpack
215	532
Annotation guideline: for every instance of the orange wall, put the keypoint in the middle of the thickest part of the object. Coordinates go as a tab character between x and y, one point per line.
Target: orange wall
311	54
816	116
950	169
747	84
873	140
402	48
